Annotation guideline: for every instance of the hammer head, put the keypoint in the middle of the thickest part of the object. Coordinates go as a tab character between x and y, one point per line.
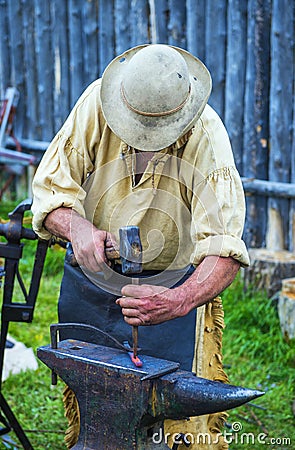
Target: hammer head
130	250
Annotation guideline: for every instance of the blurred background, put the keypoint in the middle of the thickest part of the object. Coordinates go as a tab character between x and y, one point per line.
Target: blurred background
51	50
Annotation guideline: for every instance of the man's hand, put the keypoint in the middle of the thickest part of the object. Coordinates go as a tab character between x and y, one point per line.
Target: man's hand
89	243
149	305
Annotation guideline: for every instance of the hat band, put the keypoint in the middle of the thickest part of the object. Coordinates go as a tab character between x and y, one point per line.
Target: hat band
153	114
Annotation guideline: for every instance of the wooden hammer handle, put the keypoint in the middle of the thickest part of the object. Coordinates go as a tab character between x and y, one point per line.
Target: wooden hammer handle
112	253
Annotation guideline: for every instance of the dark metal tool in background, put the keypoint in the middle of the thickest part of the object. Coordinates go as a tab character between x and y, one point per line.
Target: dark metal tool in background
11	250
122	406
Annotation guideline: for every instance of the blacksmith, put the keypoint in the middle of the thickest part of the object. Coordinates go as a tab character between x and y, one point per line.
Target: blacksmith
143	147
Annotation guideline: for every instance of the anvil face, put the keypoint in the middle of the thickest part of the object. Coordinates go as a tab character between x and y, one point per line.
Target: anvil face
110	358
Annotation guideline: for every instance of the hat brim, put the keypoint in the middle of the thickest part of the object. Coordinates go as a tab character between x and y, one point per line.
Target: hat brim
148	133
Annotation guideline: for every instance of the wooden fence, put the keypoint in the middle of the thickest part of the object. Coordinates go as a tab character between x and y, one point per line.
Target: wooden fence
52	49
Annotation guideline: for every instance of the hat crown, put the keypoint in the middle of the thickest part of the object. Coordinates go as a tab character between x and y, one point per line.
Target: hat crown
156	80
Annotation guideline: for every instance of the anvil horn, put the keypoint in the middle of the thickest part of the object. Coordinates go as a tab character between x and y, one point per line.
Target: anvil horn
181	394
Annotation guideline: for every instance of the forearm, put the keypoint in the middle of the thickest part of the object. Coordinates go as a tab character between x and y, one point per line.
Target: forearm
146	304
62	222
209	279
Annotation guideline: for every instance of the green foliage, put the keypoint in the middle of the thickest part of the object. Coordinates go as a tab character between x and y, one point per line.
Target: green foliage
53	262
258	357
36	404
38	407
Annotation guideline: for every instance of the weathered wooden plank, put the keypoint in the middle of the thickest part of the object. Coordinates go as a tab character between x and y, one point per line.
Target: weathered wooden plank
176	23
29	144
195	23
292	203
106	34
286	308
235	76
281	91
77	76
11	99
60	43
90	41
267	270
122	26
216	11
159	21
30	71
269	188
139	22
256	127
5	66
45	64
12	157
17	78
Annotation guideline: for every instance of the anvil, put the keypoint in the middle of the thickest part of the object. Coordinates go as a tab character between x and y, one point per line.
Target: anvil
123	406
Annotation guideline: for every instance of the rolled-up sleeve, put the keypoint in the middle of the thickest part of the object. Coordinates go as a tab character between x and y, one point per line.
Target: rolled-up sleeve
218	200
218	217
66	163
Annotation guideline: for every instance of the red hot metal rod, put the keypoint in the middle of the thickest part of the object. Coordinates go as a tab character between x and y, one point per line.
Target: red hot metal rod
135	359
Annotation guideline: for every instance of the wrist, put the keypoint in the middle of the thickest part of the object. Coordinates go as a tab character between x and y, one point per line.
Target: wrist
179	298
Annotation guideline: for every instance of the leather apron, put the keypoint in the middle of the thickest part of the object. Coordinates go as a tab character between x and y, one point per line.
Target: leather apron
82	301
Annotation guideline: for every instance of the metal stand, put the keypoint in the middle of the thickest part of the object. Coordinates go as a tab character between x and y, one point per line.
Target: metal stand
11	251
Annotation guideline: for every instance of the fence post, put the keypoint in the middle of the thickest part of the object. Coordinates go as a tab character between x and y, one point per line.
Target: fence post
195	23
176	23
281	91
44	68
256	128
5	65
106	43
236	56
139	22
90	42
61	89
122	26
76	50
30	71
159	21
17	76
216	11
292	204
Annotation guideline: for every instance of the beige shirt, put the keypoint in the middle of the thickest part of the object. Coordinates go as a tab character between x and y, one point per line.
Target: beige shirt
189	202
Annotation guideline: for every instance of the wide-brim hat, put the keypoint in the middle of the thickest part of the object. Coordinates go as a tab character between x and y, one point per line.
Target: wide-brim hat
151	95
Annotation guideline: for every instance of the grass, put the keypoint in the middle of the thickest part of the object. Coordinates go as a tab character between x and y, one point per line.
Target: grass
255	356
259	357
36	404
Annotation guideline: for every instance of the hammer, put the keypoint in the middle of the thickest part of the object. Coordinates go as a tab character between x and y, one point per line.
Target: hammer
130	254
131	258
